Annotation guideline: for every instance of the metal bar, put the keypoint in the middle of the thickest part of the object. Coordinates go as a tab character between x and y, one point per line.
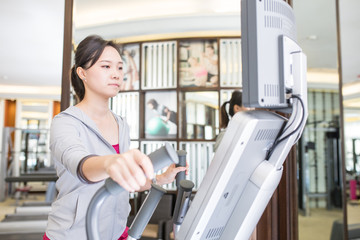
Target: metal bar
170	64
236	61
149	66
174	65
143	66
92	220
3	162
147	209
154	65
37	178
160	81
229	65
165	73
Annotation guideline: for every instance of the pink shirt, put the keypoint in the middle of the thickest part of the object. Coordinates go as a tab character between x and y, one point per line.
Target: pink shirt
116	147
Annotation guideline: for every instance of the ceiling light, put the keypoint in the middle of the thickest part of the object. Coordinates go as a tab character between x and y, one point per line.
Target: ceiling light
312	37
351	88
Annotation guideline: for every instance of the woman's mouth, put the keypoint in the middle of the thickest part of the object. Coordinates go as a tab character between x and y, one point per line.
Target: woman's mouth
114	85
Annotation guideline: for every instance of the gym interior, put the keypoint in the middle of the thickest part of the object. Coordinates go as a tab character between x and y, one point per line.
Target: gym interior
319	194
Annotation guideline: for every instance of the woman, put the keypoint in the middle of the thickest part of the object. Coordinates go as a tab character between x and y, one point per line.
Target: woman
162	110
89	143
198	72
210	60
235	105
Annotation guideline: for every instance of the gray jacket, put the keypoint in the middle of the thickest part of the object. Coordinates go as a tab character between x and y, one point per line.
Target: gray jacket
73	136
219	137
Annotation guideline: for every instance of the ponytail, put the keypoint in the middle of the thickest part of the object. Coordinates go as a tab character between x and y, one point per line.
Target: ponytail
224	117
236	99
77	84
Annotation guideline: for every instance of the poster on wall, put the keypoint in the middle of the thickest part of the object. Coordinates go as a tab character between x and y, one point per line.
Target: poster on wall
230	62
131	58
158	65
161	114
198	64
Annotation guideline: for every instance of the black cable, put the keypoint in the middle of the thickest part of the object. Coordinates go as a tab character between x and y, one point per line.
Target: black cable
302	118
279	140
287	127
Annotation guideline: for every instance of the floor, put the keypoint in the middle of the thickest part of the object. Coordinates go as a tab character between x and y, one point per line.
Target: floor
318	225
353	212
9	205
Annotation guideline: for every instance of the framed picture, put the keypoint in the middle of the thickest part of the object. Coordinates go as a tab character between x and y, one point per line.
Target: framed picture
126	104
198	64
160	114
199	114
230	62
158	65
131	58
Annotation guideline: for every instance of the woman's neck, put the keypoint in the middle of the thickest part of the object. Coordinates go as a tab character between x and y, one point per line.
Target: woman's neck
105	121
94	108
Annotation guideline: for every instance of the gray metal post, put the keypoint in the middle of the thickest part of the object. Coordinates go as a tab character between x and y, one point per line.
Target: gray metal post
3	162
147	209
182	163
182	204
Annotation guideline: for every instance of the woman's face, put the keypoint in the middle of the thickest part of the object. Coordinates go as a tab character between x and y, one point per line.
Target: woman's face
192	61
106	75
150	106
209	51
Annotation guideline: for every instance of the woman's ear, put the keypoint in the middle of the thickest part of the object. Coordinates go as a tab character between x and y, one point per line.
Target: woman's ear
81	73
237	108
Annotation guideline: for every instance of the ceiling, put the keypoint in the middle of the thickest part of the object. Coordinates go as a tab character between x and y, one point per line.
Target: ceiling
31	47
32	34
124	20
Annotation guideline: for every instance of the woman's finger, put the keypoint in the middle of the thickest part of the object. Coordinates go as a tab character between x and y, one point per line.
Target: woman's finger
121	181
144	162
136	171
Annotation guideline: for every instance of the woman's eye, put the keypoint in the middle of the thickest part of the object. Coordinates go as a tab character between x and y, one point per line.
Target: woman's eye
106	66
120	68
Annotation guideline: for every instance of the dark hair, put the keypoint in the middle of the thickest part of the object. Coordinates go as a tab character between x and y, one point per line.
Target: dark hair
87	53
236	99
153	102
210	46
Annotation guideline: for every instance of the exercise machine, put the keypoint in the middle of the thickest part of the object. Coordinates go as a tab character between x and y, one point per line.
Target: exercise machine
248	164
247	167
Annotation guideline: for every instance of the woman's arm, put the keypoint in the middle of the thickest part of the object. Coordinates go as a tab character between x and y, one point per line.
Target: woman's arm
167	113
126	169
167	177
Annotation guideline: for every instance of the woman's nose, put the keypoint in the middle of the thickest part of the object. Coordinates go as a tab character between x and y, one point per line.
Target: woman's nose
116	74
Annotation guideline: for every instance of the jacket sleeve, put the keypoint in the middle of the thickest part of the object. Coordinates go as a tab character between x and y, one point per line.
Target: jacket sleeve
218	140
124	134
65	143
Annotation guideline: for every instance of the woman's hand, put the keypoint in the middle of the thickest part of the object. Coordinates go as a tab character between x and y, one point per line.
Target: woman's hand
131	169
169	175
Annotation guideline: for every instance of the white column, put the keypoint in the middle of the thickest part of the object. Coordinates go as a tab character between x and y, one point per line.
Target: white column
159	51
2	116
17	141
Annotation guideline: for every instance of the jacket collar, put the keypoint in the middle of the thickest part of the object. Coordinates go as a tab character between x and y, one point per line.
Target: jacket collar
85	119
